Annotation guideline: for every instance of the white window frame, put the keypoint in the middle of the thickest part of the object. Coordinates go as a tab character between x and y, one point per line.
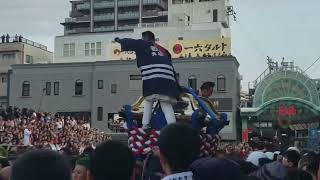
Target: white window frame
69	50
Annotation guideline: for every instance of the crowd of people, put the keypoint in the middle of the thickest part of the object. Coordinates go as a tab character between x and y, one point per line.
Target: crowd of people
27	128
176	157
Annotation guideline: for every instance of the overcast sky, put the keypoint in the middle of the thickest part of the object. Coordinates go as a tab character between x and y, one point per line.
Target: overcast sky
275	28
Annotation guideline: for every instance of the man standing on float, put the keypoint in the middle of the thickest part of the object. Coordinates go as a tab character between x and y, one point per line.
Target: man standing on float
158	75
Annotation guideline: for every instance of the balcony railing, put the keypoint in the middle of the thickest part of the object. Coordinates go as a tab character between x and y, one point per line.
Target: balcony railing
153	25
19	39
105	4
121	3
78	30
127	27
104	17
83	6
102	29
129	15
78	19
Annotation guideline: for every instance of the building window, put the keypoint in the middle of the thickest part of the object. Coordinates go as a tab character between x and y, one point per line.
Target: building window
215	15
113	88
56	87
26	88
78	88
69	50
87	49
4	80
100	113
93	49
10	56
180	38
221	83
29	59
192	82
48	88
100	84
98	48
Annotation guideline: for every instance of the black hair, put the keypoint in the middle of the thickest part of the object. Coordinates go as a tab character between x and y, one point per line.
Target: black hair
112	160
311	162
207	85
180	145
39	165
298	175
4	162
293	156
148	35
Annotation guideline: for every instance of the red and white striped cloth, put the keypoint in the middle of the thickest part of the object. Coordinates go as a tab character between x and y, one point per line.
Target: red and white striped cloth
141	142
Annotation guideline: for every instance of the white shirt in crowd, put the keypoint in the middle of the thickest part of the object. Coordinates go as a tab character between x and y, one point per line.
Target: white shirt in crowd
73	122
179	176
27	137
59	124
86	125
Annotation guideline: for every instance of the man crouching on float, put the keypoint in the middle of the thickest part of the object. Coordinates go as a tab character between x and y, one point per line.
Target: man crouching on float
159	82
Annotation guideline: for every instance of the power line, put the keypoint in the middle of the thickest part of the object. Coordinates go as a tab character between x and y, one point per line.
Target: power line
312	64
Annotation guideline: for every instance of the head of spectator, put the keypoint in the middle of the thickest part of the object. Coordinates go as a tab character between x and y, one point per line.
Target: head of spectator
148	36
215	168
206	89
291	158
271	171
309	162
111	161
255	156
179	146
81	169
4	163
40	165
5	173
298	175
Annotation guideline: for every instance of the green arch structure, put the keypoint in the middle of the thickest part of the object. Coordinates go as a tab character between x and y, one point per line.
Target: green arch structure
283	87
286	84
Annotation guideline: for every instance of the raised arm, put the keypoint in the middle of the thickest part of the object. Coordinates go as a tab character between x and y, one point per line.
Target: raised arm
128	44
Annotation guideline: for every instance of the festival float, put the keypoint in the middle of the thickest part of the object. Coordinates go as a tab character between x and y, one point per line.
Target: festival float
192	109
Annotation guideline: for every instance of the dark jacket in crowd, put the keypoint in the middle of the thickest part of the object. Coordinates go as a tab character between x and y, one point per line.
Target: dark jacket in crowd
271	171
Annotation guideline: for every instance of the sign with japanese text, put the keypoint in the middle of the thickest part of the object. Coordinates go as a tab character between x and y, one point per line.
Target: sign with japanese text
117	54
200	48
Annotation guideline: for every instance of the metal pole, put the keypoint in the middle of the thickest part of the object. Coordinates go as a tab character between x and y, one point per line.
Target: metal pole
115	15
140	11
91	15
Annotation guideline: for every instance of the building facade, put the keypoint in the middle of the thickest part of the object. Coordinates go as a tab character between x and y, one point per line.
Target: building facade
123	15
185	21
101	88
19	50
285	104
107	16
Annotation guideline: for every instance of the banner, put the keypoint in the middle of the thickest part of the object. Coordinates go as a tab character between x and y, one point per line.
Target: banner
200	48
116	54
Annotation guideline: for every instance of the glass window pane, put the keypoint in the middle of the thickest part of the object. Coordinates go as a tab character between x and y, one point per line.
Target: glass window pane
98	45
113	88
72	49
98	53
86	46
48	88
79	88
100	113
56	88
